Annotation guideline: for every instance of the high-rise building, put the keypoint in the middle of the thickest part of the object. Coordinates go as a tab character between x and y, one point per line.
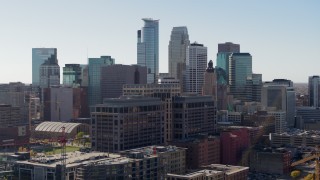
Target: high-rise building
224	51
195	67
17	94
228	47
148	48
165	92
215	84
179	42
193	115
280	121
127	122
113	77
256	87
94	87
39	56
49	74
84	75
280	94
72	75
240	72
314	91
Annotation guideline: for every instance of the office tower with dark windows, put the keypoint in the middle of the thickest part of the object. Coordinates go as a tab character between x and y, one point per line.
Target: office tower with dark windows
94	70
49	73
196	65
224	51
39	56
113	77
163	91
228	47
314	91
72	75
148	48
240	72
193	115
127	122
215	84
178	44
280	96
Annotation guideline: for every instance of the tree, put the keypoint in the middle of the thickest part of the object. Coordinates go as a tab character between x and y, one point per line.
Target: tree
295	174
308	177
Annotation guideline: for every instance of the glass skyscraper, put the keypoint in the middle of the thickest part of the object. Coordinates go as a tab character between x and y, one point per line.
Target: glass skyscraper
240	72
148	48
40	56
94	87
179	42
314	84
224	51
72	75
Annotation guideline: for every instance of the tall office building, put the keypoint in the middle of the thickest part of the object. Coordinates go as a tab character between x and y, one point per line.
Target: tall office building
215	84
148	48
94	87
49	73
39	56
224	51
127	122
193	115
72	75
163	91
195	67
240	72
113	77
179	42
281	97
314	91
228	47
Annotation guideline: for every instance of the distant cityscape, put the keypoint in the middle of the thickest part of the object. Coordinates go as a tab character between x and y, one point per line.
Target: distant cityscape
204	119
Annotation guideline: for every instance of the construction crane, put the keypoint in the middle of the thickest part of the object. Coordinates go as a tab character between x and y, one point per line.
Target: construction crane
315	157
63	140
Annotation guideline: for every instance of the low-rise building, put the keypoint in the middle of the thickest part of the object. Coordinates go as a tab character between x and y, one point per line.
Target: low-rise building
268	160
296	138
214	172
151	162
201	150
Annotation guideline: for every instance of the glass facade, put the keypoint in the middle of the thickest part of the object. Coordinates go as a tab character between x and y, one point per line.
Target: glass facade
148	48
72	74
94	68
178	45
39	56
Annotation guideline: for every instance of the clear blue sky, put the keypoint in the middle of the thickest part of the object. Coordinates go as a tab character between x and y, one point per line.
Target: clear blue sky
282	36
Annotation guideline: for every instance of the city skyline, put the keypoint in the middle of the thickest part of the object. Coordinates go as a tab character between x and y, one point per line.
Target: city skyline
281	36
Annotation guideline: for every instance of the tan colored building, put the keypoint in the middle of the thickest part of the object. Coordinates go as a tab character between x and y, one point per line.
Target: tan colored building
299	138
163	91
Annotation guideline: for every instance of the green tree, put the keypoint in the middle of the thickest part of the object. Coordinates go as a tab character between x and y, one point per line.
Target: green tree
308	177
294	174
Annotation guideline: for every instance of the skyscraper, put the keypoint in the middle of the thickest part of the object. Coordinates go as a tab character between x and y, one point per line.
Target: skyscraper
314	98
148	48
195	67
224	51
240	72
113	78
72	75
215	84
229	47
94	68
39	56
281	97
177	48
49	73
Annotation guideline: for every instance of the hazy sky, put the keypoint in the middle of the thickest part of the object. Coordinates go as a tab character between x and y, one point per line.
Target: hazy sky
282	36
